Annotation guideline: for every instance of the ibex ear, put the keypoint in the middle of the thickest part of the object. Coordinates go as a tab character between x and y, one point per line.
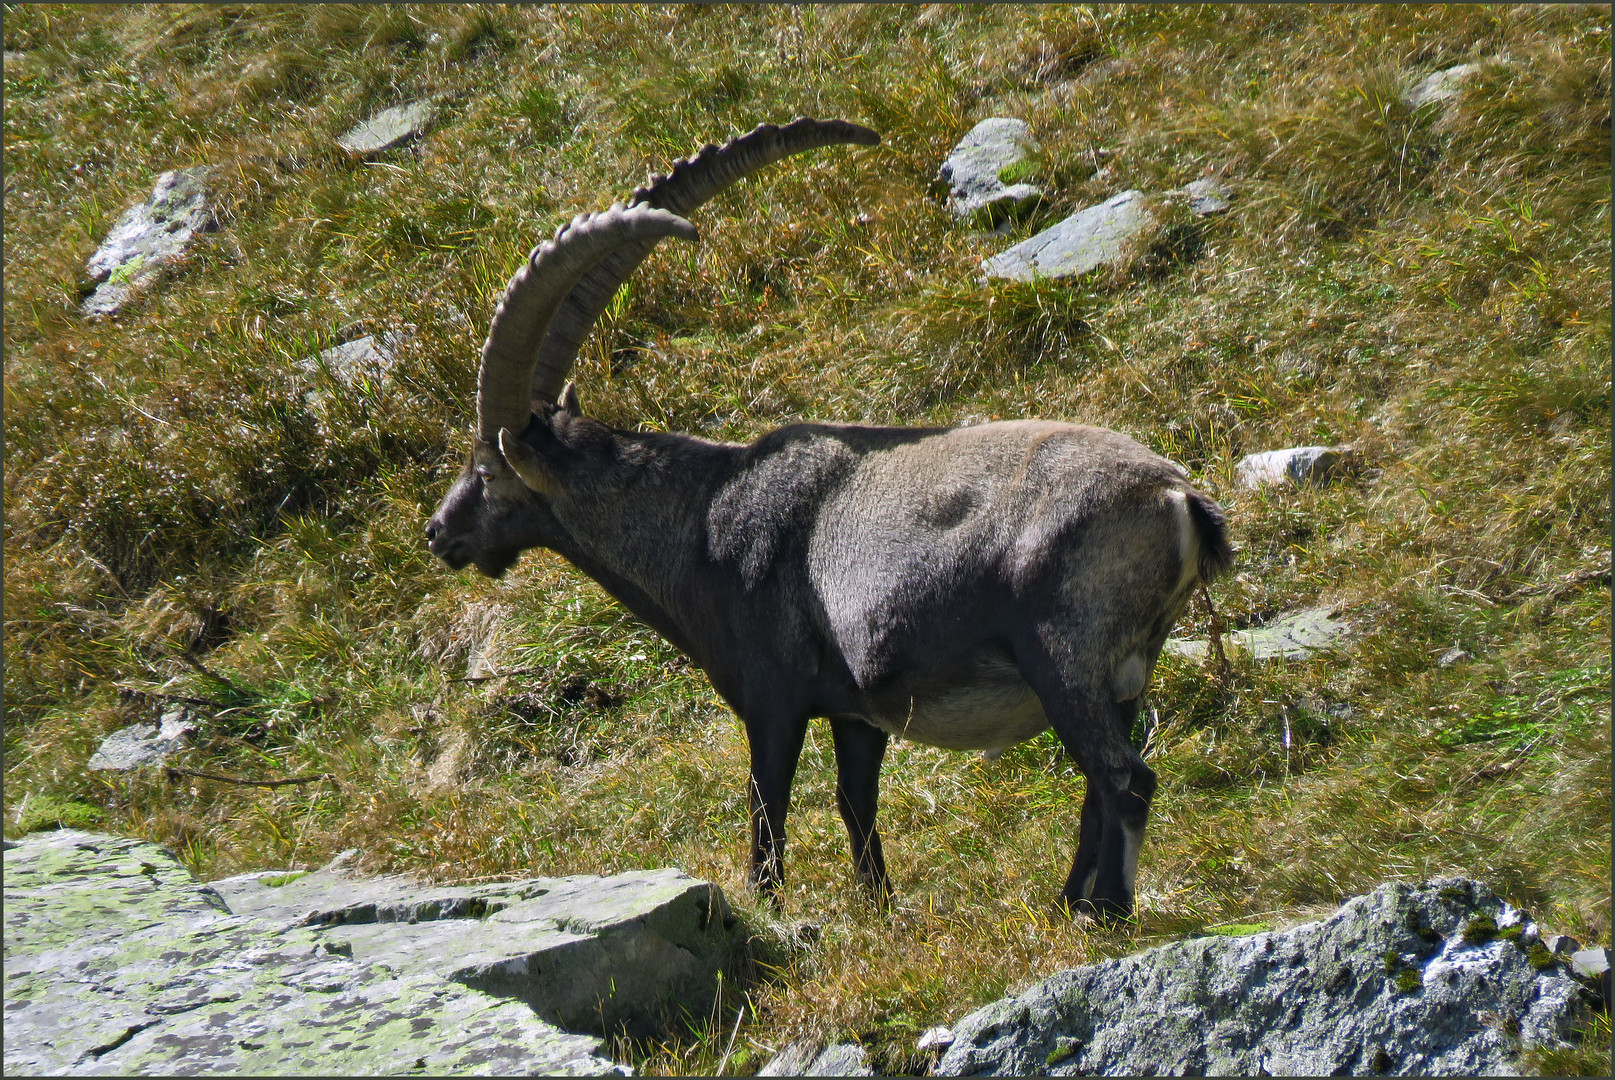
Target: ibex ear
569	399
525	463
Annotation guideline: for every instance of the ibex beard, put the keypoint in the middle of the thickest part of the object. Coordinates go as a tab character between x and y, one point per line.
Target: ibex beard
961	587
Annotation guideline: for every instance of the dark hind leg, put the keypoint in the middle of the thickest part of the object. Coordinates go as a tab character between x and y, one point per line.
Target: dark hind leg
860	749
1094	729
1114	812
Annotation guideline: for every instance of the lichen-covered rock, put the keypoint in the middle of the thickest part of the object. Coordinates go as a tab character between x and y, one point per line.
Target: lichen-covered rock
389	128
639	950
150	236
1295	465
1096	236
1439	979
1295	635
117	961
974	173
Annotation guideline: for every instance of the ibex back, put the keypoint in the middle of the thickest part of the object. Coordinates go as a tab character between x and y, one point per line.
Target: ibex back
961	587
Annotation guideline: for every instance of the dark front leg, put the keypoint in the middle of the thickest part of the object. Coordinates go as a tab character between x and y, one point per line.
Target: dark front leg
776	746
860	749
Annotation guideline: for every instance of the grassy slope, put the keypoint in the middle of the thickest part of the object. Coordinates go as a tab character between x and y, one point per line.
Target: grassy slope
1433	287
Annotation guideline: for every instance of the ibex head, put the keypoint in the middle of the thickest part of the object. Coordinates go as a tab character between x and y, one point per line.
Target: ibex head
531	439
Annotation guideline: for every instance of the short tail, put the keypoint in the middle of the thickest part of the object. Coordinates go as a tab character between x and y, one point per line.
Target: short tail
1211	528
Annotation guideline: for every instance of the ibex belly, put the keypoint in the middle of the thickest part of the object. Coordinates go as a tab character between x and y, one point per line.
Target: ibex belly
981	705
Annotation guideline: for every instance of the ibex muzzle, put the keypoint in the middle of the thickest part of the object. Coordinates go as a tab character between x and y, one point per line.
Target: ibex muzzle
962	587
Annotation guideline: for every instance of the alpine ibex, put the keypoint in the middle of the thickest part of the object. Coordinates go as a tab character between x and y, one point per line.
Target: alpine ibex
962	587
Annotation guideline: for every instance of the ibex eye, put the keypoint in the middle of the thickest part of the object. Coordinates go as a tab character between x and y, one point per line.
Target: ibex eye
485	474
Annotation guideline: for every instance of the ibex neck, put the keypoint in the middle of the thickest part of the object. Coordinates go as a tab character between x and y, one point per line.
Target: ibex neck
640	529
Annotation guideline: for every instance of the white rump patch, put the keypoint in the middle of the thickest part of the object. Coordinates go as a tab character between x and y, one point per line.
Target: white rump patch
1188	545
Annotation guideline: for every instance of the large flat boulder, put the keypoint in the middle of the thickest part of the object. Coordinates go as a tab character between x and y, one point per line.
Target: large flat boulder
1439	979
118	961
639	950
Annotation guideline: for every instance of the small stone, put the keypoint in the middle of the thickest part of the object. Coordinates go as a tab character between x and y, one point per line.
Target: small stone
972	175
150	236
353	361
389	128
1451	657
1561	944
1592	967
1438	86
1092	237
937	1038
1207	196
1292	636
1296	465
139	745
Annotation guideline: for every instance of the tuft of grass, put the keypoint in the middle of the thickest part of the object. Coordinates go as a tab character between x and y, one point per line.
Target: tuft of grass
197	517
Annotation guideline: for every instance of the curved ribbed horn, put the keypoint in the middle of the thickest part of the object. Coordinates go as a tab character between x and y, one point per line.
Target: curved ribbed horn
691	182
552	272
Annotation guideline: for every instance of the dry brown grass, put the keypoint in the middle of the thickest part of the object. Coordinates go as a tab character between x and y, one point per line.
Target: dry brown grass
1432	286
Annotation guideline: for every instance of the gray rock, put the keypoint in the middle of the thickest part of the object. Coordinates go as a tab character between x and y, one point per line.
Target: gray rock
1561	944
1296	465
1294	636
1207	196
587	953
937	1038
352	362
150	236
1090	238
118	962
1592	967
1440	86
143	744
1452	656
1407	980
971	173
389	128
810	1058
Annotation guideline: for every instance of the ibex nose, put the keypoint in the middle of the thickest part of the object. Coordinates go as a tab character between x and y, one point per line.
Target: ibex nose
431	532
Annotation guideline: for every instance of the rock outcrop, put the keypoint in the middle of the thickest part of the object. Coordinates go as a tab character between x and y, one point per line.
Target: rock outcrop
118	961
150	237
1442	978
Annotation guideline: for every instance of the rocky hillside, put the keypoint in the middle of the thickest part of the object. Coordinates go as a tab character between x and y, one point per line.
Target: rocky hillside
1350	266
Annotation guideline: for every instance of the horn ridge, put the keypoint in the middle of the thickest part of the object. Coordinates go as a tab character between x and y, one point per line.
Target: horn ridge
688	183
550	273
